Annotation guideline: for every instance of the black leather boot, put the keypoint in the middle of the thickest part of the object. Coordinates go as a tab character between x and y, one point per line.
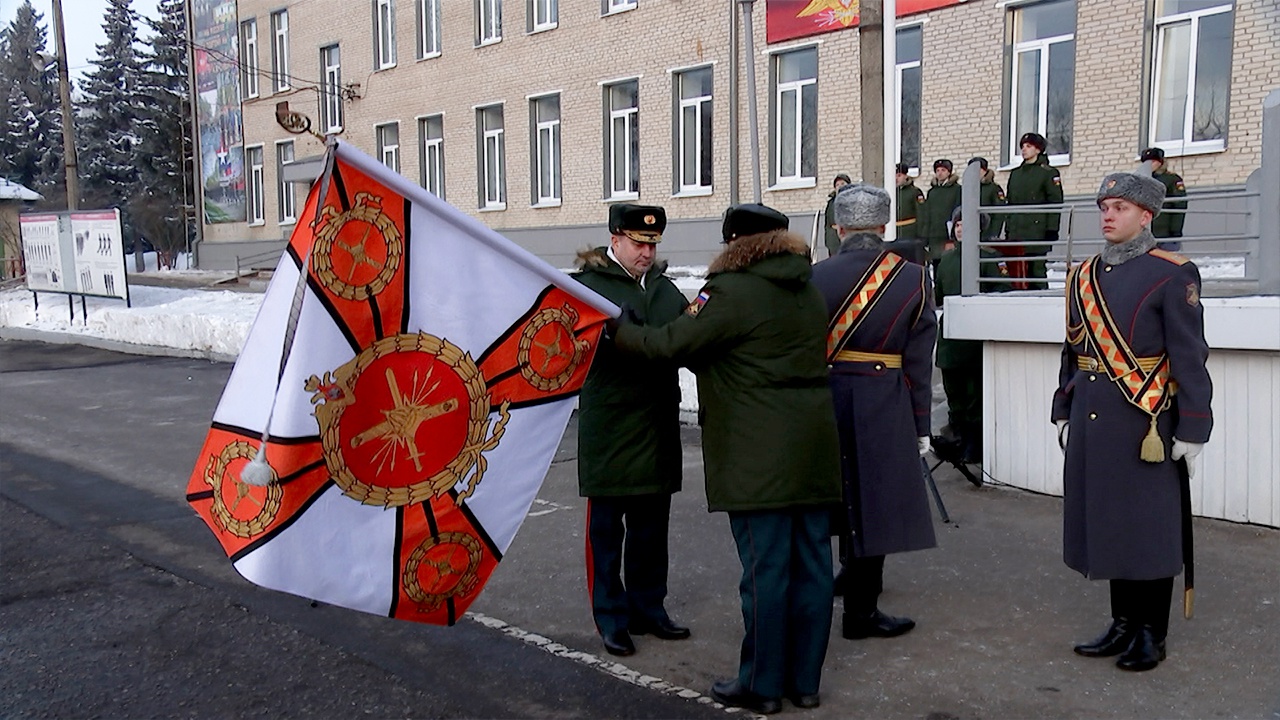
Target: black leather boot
877	624
1114	641
1145	653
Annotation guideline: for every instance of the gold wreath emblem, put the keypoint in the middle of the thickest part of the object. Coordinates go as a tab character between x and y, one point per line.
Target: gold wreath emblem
396	434
442	553
216	476
366	209
550	330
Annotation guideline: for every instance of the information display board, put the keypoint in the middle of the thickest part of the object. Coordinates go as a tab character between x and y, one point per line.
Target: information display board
79	253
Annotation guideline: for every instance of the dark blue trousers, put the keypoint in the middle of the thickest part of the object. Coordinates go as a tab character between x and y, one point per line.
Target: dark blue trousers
627	536
786	598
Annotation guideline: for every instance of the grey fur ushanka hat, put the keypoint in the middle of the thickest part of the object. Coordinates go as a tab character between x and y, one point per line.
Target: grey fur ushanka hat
1143	191
860	206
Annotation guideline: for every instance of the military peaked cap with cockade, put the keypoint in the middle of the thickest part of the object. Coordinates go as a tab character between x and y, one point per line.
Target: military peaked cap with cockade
642	223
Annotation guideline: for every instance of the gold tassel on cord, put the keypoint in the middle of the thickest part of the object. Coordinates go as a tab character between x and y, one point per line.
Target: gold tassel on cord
1188	603
1152	445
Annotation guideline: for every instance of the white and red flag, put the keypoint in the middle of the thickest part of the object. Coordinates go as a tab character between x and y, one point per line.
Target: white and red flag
416	370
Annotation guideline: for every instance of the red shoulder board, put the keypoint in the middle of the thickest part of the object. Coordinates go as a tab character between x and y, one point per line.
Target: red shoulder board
1172	257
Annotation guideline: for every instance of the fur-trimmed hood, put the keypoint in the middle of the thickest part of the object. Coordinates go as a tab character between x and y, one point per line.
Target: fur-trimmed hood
597	259
750	252
988	176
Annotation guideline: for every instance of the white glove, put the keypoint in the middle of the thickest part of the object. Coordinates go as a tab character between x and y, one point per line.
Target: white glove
1064	429
922	443
1190	452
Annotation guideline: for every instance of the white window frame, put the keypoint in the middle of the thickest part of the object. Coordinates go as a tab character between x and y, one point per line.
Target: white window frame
898	69
280	51
331	88
286	198
249	55
612	7
630	162
488	22
257	209
698	104
388	152
1183	146
546	132
429	39
543	15
492	143
799	180
431	156
384	34
1042	46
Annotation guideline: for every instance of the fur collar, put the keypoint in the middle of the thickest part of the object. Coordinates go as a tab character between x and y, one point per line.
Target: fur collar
598	259
952	180
988	176
1121	253
862	240
751	249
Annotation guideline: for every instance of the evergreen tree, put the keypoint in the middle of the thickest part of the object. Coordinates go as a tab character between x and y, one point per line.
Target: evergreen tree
31	139
159	205
107	126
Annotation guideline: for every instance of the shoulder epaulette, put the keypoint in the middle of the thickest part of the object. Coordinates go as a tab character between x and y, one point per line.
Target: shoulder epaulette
1172	257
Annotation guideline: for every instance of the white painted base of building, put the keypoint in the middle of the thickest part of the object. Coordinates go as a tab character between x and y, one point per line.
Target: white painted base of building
1022	349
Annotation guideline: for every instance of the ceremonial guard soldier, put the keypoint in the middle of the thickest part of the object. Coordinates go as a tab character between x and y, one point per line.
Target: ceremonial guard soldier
1167	224
629	457
1034	182
881	331
1132	409
754	337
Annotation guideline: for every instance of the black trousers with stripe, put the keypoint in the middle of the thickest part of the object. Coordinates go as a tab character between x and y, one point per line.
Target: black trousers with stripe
627	558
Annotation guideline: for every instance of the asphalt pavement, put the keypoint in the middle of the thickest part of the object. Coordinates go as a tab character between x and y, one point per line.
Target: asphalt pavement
115	601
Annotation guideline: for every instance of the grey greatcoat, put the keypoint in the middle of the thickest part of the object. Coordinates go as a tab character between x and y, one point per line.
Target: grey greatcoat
1121	514
880	410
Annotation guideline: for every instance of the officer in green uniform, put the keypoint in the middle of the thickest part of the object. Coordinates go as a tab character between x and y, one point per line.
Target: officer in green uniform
990	194
756	338
629	457
1167	224
943	197
1034	182
830	238
909	201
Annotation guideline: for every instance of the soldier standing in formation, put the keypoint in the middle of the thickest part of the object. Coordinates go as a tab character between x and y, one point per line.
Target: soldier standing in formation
990	195
755	338
1034	182
880	339
629	457
944	196
829	237
1167	225
1132	409
909	201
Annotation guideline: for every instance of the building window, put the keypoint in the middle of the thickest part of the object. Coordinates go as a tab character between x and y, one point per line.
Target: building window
249	61
286	200
428	28
1042	77
384	34
613	6
257	194
793	126
909	53
544	120
488	21
1191	77
331	90
388	138
431	154
280	50
542	14
622	139
693	131
492	158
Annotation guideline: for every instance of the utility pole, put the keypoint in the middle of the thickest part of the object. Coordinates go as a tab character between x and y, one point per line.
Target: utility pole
870	54
70	165
753	116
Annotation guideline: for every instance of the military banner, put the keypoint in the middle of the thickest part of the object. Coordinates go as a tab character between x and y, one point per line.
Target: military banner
432	371
791	19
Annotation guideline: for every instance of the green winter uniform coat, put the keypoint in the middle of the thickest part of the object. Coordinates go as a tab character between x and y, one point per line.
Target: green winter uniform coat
936	213
991	195
829	237
960	353
909	201
756	338
1169	225
1034	183
629	408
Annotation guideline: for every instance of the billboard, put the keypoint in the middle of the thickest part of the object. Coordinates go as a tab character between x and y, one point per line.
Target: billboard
81	253
791	19
217	79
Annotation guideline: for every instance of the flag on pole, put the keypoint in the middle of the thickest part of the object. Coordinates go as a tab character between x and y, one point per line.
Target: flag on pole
415	397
